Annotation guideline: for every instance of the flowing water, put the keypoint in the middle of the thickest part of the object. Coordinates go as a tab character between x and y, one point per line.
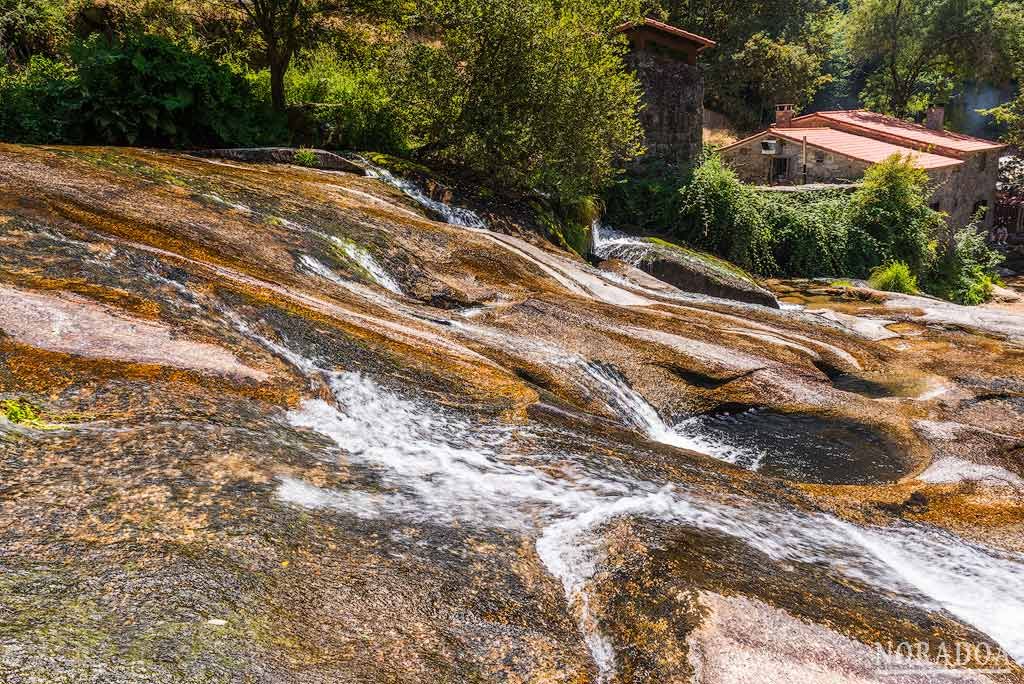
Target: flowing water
457	216
437	466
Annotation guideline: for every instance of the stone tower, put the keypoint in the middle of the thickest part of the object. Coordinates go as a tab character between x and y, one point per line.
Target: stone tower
665	61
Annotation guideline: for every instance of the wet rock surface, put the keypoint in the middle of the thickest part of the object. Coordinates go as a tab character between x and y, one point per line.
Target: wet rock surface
294	430
686	269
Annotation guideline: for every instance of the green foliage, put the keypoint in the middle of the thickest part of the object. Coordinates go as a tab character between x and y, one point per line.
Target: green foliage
1010	115
778	71
894	277
810	234
966	268
646	199
891	207
31	27
22	412
145	90
39	102
719	214
762	44
306	157
142	90
344	104
526	95
920	51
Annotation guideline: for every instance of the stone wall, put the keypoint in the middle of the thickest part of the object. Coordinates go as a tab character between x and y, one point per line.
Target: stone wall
673	115
959	190
822	166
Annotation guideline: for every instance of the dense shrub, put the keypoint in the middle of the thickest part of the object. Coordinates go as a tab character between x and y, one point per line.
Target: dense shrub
31	27
719	214
147	91
892	207
142	90
39	102
965	269
646	199
811	234
339	104
894	277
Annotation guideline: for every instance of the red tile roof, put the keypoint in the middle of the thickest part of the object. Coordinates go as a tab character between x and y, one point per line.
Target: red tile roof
872	122
853	146
862	148
669	29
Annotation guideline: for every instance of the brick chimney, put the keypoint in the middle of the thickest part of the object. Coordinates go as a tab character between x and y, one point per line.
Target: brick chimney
935	118
784	116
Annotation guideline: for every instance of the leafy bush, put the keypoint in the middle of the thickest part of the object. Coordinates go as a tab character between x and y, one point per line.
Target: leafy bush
891	206
142	90
31	27
894	277
39	103
719	214
145	90
965	269
809	233
306	157
338	104
646	199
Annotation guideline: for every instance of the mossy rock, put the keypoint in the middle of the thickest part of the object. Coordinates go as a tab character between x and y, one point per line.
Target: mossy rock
397	165
693	271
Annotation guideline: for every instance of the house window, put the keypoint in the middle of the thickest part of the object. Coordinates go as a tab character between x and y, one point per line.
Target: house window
819	157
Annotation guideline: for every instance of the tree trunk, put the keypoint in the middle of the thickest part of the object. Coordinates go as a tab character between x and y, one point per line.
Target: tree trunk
277	68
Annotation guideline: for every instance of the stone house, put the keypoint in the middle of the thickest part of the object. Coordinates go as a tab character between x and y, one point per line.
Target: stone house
664	59
839	146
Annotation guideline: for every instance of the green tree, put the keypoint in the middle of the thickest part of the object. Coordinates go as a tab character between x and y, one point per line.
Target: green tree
793	37
283	26
777	71
920	50
527	95
1010	37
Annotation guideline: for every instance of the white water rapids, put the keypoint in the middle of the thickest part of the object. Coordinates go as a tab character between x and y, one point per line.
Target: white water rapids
438	467
442	468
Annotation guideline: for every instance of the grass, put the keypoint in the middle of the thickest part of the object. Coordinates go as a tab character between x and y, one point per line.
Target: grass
306	157
894	277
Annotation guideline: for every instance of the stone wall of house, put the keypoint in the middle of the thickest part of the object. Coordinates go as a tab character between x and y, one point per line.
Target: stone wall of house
960	190
673	116
822	166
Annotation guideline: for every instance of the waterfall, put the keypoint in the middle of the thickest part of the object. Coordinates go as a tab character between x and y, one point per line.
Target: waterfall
457	216
608	243
436	466
365	260
639	413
